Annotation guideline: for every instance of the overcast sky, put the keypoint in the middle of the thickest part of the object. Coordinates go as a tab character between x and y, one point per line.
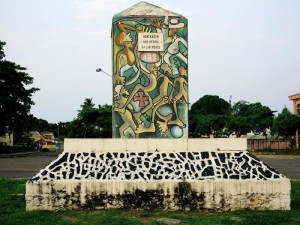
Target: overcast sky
247	49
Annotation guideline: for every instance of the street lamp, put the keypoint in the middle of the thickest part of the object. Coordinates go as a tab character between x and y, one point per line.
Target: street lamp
100	70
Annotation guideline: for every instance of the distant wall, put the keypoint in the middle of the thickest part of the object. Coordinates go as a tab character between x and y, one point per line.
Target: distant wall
264	144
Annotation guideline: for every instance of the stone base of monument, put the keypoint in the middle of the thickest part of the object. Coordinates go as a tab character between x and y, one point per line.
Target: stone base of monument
180	174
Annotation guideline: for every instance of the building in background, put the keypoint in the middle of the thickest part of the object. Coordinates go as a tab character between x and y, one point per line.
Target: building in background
296	110
7	139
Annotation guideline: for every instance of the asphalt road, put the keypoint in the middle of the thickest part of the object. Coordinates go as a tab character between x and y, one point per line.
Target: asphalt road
24	165
288	165
27	165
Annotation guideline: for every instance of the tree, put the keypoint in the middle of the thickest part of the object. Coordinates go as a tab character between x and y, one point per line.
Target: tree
88	103
96	122
15	98
87	116
246	117
34	124
286	124
208	116
105	121
74	129
210	104
210	124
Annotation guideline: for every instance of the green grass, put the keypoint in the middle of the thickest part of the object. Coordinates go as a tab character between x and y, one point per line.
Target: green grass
12	211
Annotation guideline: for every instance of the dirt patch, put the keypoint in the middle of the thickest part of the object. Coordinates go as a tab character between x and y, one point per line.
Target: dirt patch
70	219
296	219
236	218
168	221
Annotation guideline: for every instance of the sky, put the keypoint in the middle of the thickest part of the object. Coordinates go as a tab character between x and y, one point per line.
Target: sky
238	49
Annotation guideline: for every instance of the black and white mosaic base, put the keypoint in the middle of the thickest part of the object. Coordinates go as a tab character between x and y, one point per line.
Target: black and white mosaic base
202	180
156	166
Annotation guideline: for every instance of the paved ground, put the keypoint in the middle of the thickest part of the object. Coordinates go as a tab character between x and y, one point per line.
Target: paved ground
27	165
288	165
24	165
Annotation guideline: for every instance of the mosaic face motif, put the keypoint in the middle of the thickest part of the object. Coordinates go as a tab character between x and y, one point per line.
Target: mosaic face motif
150	77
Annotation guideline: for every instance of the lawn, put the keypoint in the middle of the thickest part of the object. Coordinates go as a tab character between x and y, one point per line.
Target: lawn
12	211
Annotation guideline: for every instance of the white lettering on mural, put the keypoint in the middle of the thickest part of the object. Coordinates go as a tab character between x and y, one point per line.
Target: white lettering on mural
150	42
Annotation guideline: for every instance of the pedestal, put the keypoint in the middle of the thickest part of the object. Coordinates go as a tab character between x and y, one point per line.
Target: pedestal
168	174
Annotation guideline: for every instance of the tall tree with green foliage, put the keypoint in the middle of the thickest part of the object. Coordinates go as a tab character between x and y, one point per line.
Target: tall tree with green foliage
249	117
15	98
96	122
286	124
36	124
208	116
104	121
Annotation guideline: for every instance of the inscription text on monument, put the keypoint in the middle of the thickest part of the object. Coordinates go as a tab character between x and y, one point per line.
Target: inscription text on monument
149	42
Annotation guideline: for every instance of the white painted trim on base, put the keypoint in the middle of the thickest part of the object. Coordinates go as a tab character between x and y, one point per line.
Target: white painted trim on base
154	145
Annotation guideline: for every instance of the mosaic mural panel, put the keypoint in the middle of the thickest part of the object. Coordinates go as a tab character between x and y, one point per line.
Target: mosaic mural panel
150	77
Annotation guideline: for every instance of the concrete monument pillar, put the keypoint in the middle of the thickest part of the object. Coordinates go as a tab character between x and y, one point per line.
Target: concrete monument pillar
150	73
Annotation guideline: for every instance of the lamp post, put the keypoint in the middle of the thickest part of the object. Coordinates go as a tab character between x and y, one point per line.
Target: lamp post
100	70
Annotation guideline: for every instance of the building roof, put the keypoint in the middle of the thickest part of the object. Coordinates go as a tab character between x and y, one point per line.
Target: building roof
294	97
261	137
145	9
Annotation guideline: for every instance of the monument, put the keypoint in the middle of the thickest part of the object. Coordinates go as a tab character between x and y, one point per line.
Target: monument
150	73
150	163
